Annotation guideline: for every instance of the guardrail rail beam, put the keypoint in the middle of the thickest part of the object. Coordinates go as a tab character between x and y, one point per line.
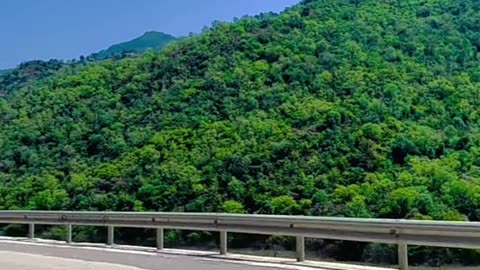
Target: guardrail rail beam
401	232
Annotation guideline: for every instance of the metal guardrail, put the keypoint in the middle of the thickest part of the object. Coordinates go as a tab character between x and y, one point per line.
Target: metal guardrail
399	232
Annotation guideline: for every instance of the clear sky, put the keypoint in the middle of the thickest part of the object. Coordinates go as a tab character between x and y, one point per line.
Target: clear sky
66	29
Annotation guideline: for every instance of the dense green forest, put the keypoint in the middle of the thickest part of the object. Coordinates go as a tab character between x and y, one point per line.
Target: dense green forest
27	74
358	108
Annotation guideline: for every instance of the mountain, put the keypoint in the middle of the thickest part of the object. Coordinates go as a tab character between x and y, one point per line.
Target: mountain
31	72
149	40
334	108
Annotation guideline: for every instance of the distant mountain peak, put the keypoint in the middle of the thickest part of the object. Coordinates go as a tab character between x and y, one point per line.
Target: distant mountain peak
153	32
149	40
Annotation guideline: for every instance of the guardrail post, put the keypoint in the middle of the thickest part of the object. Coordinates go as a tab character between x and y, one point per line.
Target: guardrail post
159	238
69	233
300	241
111	235
223	242
403	256
31	230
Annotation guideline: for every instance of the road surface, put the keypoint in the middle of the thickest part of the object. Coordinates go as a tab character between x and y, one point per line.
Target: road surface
24	261
22	256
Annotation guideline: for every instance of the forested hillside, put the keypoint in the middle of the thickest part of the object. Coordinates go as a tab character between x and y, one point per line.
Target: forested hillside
337	108
27	74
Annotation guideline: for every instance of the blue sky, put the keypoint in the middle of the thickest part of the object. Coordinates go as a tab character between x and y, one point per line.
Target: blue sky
66	29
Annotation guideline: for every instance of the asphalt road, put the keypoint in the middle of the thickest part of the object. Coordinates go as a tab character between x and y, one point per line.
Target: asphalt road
24	261
20	256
